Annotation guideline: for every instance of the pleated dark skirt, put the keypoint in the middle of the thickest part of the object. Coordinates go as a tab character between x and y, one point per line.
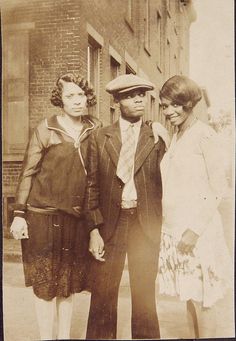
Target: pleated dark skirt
55	257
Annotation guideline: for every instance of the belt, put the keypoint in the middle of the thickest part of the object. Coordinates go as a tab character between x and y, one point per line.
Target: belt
46	210
129	212
126	204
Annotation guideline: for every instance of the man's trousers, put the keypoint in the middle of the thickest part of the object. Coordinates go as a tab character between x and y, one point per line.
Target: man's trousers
142	256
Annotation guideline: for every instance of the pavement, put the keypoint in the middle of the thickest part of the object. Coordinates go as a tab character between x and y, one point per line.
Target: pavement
19	317
20	320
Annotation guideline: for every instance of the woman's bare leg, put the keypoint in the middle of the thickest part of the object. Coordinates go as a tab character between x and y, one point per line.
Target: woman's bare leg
206	320
192	319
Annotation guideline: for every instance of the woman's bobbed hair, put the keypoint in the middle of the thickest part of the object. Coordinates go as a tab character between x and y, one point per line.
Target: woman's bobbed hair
181	90
78	80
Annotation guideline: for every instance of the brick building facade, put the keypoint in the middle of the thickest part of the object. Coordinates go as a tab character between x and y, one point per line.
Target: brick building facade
98	39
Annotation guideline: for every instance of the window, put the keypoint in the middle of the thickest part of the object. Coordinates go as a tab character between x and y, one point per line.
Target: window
93	72
130	64
114	68
176	66
129	13
168	7
168	58
150	113
159	45
114	72
15	93
181	61
130	10
129	69
147	27
152	108
10	213
161	117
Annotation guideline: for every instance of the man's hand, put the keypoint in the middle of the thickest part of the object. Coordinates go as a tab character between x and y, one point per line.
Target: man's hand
159	130
188	241
19	228
96	245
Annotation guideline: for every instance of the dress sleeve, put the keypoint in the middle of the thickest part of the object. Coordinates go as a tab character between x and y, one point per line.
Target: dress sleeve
31	165
212	153
217	183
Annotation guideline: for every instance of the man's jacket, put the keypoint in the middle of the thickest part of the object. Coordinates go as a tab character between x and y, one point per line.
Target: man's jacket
104	188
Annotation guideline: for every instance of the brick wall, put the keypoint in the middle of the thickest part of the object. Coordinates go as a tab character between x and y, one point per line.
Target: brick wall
10	175
58	44
54	47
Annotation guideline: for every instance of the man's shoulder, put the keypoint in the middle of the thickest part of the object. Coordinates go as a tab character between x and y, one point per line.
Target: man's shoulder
107	130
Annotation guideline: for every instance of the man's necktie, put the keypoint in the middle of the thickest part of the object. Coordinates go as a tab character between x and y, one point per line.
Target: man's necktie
126	159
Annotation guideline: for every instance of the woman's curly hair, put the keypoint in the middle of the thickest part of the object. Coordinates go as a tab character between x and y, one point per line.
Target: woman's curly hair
78	80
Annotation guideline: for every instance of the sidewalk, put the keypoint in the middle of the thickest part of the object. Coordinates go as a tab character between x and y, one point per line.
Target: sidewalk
11	250
18	305
20	320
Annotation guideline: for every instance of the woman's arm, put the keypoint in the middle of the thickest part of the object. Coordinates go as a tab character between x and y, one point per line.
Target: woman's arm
208	203
212	153
31	165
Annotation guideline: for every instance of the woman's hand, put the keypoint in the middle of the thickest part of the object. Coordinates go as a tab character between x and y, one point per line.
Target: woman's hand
19	228
188	241
96	245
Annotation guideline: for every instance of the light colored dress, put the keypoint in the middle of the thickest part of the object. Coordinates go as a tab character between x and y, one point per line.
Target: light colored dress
193	185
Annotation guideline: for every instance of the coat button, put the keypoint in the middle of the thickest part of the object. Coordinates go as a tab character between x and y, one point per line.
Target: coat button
118	204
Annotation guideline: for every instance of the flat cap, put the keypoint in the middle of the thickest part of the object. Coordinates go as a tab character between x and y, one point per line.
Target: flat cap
125	83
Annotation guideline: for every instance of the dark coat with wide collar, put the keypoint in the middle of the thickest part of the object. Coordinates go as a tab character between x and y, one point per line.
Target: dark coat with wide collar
104	190
54	171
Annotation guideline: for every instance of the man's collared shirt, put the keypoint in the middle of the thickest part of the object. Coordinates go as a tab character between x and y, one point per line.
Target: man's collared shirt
129	192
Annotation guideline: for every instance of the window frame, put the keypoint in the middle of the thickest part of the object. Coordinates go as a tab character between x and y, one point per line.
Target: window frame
129	14
168	58
159	41
116	64
15	151
94	48
168	7
147	29
129	69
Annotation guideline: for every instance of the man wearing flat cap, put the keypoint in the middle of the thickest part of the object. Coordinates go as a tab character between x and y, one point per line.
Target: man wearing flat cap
123	205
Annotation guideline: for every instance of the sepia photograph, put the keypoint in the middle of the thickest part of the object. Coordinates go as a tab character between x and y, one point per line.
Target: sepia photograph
118	169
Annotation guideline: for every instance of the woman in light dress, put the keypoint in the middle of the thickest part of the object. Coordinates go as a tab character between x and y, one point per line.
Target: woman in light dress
194	262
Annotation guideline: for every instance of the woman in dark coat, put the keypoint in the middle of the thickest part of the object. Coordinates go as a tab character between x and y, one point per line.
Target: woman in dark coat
48	213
